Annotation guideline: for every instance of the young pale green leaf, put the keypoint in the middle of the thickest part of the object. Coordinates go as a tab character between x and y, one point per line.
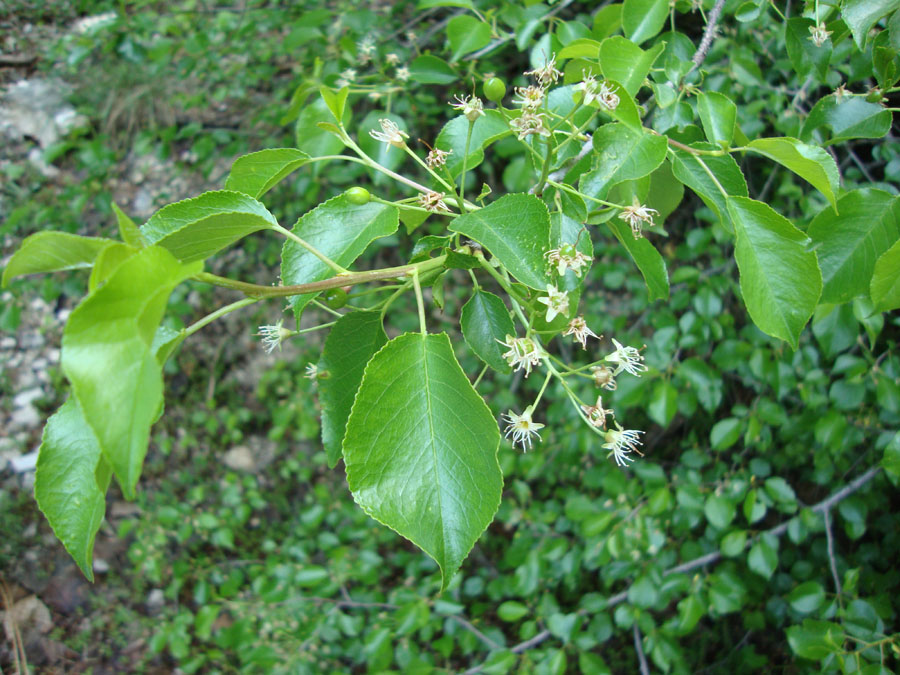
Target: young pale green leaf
807	597
717	115
467	34
515	229
885	285
53	252
623	61
257	173
853	117
810	162
195	229
861	15
335	100
689	169
488	128
780	278
339	230
647	259
313	139
429	69
582	48
165	341
621	154
643	19
70	483
484	321
107	356
128	229
107	262
848	243
816	639
350	345
421	449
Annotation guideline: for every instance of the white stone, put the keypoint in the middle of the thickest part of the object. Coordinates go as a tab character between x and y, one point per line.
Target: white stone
24	463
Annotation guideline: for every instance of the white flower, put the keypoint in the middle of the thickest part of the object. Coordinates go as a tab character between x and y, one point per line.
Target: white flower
636	215
818	34
391	59
567	257
603	377
628	359
312	371
471	107
523	353
402	73
272	336
546	75
557	302
366	46
620	442
579	329
433	201
597	414
529	98
521	428
349	75
597	91
527	124
437	158
390	133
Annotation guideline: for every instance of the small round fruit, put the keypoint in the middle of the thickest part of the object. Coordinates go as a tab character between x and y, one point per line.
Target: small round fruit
358	195
494	89
335	298
567	251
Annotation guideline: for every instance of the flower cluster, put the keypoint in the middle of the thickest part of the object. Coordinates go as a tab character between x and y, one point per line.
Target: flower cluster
437	158
547	74
529	98
578	328
818	34
523	353
529	123
471	107
433	201
273	335
621	443
390	133
567	257
557	302
628	359
600	92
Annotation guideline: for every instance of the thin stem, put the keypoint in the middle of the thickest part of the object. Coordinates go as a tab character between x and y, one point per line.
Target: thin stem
541	392
312	249
419	302
222	311
427	168
323	306
712	176
545	169
480	375
350	279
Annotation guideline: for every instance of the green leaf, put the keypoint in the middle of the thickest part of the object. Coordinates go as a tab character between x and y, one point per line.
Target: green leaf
488	128
71	482
725	433
428	4
849	243
339	230
690	610
763	558
647	259
607	20
623	61
643	593
580	49
804	55
816	639
467	34
854	117
350	345
663	403
107	356
484	321
885	284
336	101
515	229
108	262
810	162
621	154
780	278
421	449
719	511
313	139
195	229
128	229
688	168
257	173
643	19
429	69
733	543
717	114
807	597
861	15
53	252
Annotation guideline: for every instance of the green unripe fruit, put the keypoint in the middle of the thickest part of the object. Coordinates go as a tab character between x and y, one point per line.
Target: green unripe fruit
494	89
567	251
357	195
335	297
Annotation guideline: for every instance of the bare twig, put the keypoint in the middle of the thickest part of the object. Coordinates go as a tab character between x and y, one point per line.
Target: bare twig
708	35
474	631
829	538
639	648
509	36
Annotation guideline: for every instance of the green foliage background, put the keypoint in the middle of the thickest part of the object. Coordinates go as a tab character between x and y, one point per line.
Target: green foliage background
708	553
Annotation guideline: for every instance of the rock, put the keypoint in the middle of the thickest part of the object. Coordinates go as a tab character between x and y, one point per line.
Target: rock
240	459
26	397
31	340
37	108
155	601
30	616
101	566
25	418
24	463
7	343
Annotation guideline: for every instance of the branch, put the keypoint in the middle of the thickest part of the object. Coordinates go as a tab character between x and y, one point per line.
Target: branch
639	648
830	541
709	558
708	36
506	38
